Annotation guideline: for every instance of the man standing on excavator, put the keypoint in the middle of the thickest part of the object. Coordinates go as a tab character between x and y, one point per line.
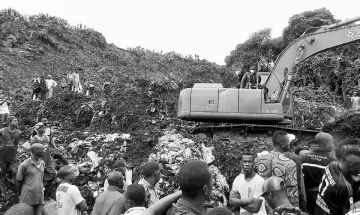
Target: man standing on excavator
250	80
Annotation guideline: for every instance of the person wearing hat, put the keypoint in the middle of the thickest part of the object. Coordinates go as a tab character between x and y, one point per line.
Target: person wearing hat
111	201
40	137
50	84
9	140
274	192
314	164
250	80
49	133
68	196
29	178
120	166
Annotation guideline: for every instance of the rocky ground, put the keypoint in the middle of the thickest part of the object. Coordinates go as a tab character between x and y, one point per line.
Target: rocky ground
137	121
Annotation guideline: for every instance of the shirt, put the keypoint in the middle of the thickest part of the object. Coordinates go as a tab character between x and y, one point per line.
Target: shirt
9	142
182	207
288	210
277	164
32	189
50	83
335	192
67	197
151	196
248	189
135	211
111	200
313	167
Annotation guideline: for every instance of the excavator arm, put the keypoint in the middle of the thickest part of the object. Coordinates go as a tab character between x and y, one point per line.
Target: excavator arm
307	45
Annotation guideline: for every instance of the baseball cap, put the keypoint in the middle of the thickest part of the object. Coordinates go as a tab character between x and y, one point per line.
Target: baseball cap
273	183
38	125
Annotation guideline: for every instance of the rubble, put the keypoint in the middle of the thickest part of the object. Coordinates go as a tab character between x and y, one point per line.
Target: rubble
172	151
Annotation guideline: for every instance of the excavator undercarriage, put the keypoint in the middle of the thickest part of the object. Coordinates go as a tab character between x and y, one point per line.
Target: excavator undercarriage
225	131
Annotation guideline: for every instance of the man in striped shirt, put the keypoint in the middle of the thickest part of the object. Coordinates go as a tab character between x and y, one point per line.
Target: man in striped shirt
313	166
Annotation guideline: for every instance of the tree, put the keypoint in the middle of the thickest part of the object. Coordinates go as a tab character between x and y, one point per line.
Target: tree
259	47
308	20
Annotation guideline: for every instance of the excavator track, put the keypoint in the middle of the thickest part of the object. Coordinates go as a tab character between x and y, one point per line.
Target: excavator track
245	129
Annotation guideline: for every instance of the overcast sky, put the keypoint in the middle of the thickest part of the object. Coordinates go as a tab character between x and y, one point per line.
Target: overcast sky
207	28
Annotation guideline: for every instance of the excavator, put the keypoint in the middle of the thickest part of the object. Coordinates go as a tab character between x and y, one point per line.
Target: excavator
247	110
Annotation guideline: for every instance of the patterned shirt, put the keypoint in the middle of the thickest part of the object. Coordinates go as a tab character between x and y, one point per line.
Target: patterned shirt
288	210
276	164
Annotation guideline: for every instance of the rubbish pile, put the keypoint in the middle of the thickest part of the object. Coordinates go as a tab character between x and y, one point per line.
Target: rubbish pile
172	151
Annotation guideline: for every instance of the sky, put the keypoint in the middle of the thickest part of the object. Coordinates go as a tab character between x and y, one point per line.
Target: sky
208	28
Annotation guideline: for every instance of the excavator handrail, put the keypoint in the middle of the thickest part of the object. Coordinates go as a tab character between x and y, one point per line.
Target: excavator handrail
325	38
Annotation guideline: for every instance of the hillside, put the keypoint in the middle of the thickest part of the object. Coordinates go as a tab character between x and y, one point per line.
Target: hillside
143	102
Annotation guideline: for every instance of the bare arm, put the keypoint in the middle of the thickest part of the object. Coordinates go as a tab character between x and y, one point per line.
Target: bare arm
249	204
82	206
161	206
18	187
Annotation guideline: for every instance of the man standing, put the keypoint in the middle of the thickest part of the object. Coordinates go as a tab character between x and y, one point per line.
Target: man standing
29	178
196	184
40	137
4	108
313	166
43	87
111	201
135	200
277	164
68	196
50	83
119	166
274	192
247	188
9	139
336	190
152	174
250	80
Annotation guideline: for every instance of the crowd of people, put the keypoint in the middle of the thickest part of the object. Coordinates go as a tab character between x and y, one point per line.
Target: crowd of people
322	180
43	86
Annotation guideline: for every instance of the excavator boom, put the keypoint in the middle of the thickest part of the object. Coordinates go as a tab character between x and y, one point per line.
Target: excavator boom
270	108
304	47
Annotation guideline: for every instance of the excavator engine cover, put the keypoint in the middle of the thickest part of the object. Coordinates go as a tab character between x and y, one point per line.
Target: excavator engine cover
212	102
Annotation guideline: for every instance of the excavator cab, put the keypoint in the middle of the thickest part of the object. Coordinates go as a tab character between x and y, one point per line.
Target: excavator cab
212	102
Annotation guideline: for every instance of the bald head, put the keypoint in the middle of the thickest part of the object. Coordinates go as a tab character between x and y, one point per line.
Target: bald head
116	179
325	139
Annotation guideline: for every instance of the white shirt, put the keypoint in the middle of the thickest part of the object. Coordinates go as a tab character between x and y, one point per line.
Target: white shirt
250	189
67	197
50	83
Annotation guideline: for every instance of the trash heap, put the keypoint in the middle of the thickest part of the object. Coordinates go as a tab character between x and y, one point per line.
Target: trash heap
172	151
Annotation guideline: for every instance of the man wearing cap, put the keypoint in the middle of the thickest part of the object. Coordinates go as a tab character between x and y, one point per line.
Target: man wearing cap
50	84
274	192
313	166
50	172
119	166
29	178
9	140
49	133
111	201
277	164
152	175
68	196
